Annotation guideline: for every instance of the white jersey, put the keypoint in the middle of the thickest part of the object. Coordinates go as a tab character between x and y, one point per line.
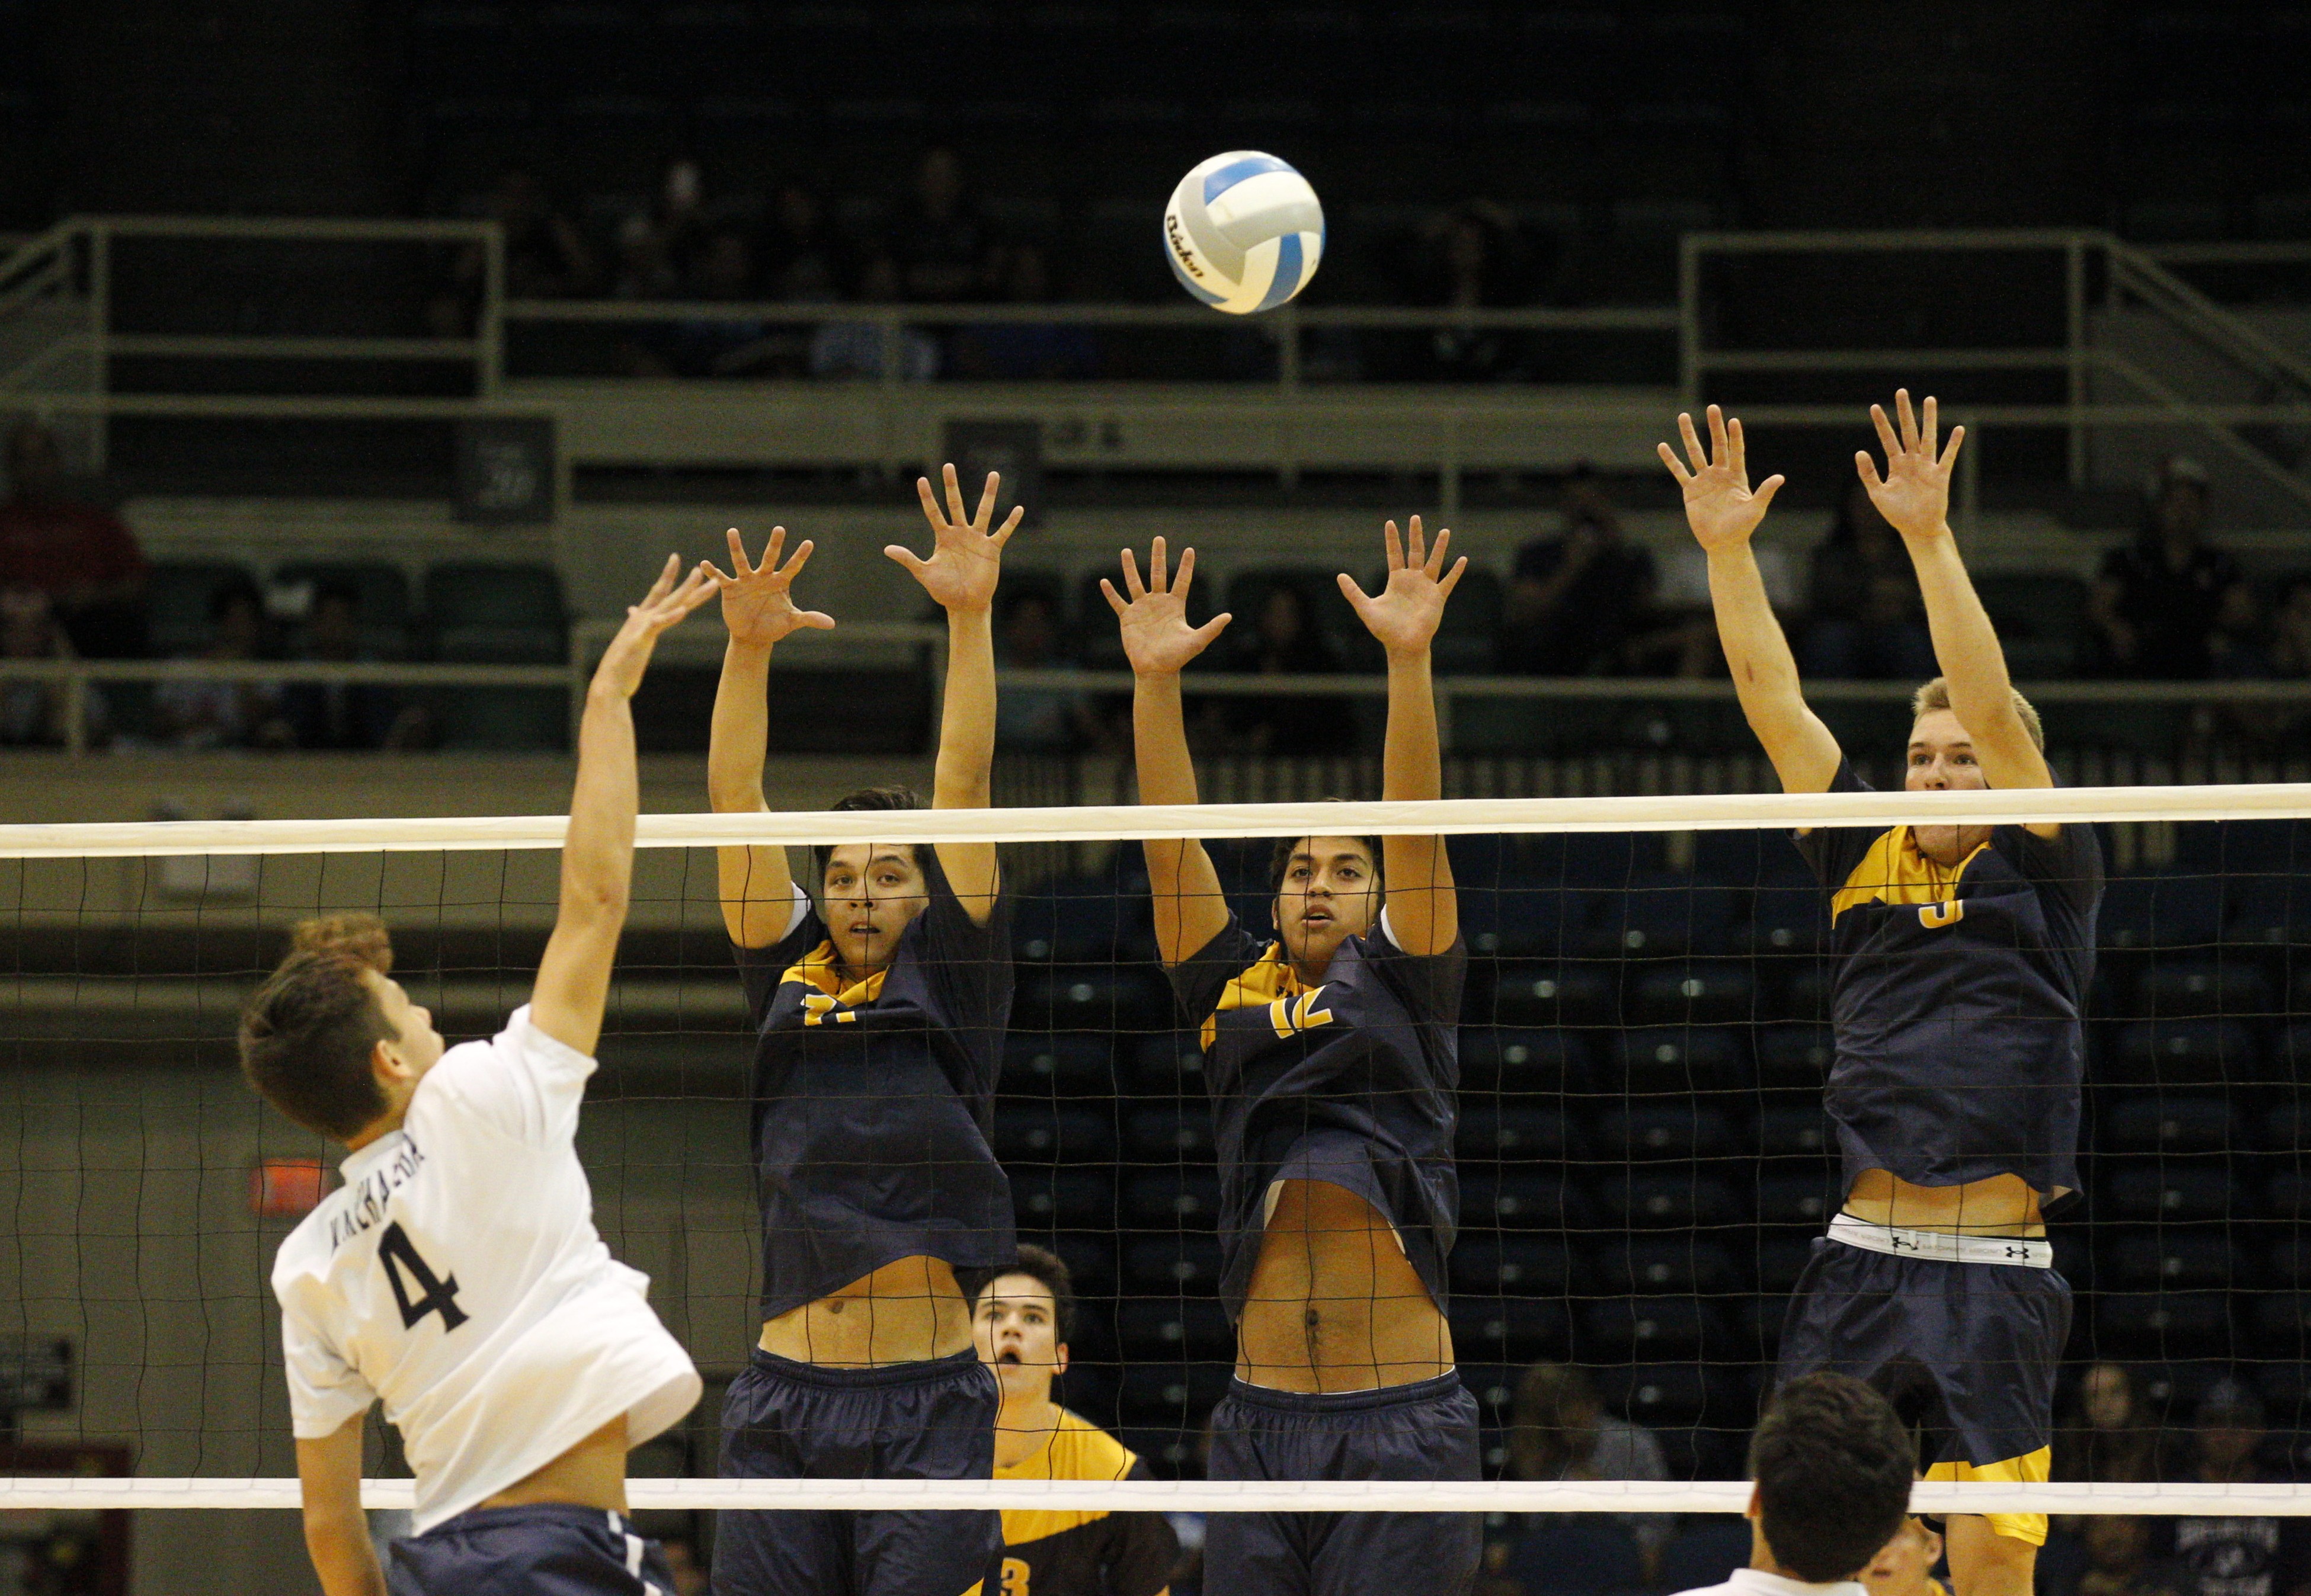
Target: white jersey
457	1274
1757	1582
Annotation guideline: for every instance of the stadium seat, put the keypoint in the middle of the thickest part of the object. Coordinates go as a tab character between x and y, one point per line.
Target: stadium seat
1173	1394
1170	1264
1704	1554
1109	999
2168	1259
1517	922
1172	1199
1794	1055
1669	1058
507	615
1078	921
1653	1264
1660	915
1666	1201
2160	1324
1515	1060
1173	1327
1652	1134
2144	911
1522	1134
1618	1329
178	593
2165	1124
1177	1134
1520	1202
1794	1132
1658	1396
380	599
1045	1132
1677	993
1049	1199
2195	988
502	720
2171	1192
1574	1554
1781	1259
2289	1195
2041	618
1785	923
2286	1128
2282	1324
1162	1064
1796	1199
1507	1329
1533	994
2273	910
1494	1265
2192	1053
1068	1066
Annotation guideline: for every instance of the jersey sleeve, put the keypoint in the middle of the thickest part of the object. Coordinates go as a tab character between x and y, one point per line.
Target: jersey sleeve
760	968
521	1083
325	1392
1831	852
969	965
1429	983
1144	1549
1198	979
2068	863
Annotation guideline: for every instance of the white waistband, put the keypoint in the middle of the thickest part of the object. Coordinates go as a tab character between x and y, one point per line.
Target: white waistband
2029	1252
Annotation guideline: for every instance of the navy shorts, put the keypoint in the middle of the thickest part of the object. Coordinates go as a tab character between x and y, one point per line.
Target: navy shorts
787	1420
1967	1351
548	1548
1422	1431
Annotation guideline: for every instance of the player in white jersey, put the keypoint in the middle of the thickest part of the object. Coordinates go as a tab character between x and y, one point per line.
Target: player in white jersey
456	1273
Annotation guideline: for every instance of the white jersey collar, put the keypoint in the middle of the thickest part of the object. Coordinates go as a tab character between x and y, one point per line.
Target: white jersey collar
1758	1580
362	1160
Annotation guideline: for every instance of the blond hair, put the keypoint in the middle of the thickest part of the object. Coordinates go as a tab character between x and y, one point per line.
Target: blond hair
1935	695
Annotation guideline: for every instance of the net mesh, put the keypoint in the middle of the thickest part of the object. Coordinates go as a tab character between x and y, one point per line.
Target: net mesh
1644	1161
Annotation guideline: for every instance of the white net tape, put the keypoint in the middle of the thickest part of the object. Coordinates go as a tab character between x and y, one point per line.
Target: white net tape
1155	1496
1134	823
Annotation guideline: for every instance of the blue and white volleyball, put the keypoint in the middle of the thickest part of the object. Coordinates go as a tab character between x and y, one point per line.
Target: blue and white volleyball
1243	232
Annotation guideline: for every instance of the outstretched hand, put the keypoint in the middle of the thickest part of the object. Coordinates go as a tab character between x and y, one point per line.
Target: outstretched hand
1157	640
1914	495
966	557
757	600
1405	612
664	606
1719	505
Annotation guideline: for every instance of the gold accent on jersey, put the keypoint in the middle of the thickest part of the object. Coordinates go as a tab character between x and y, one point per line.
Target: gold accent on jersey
1274	984
1936	917
1894	872
819	968
1077	1449
2030	1469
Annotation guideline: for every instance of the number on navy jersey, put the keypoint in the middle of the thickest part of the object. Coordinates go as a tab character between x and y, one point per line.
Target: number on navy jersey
396	1252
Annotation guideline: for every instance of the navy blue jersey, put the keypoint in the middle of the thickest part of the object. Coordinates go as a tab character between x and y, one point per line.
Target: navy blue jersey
1957	1002
872	1103
1350	1081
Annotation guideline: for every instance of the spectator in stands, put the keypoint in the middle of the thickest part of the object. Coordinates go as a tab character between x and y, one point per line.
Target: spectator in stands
1561	1431
546	256
856	348
2257	1556
2107	1434
2116	1560
1867	621
39	714
1284	640
723	273
2291	630
804	260
939	242
1018	351
1472	258
681	220
78	554
1574	600
344	715
1038	719
212	713
2156	604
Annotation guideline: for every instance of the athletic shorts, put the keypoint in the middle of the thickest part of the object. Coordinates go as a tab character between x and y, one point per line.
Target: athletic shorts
787	1420
1422	1431
1967	1351
548	1548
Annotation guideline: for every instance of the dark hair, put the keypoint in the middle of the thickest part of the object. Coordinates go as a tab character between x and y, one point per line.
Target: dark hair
869	797
363	937
307	1037
1048	1269
1833	1468
1280	860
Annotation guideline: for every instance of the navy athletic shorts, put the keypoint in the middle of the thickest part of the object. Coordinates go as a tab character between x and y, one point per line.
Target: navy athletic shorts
1967	1351
1422	1431
787	1420
546	1548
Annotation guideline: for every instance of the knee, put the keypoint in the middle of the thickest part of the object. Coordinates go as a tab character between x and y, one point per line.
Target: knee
1985	1563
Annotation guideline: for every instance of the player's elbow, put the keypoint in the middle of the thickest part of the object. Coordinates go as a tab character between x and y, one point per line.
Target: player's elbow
594	903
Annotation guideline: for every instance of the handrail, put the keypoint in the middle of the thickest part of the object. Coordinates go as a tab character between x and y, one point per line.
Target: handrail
2154	284
791	313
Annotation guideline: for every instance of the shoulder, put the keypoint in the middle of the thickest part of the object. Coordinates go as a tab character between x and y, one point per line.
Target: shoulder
1081	1450
304	1250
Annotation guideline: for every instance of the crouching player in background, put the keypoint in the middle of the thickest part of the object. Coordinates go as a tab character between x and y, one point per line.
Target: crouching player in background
1331	1051
456	1273
1965	953
1021	1318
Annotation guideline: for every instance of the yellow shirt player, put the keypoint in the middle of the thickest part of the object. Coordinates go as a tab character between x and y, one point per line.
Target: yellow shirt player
1021	1319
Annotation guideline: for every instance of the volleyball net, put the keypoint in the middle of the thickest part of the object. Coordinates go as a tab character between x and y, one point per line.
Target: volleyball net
1644	1159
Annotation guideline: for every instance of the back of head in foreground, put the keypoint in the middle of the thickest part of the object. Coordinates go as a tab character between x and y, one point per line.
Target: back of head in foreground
1832	1465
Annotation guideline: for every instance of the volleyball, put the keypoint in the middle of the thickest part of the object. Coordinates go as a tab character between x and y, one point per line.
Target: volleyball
1244	231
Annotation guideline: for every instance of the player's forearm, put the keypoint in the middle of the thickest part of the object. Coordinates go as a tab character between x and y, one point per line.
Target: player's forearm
1965	642
1411	761
740	737
1159	741
342	1556
964	775
597	853
1757	652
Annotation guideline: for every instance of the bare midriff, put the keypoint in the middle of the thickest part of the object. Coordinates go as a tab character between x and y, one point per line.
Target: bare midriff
1334	1304
2002	1205
904	1312
590	1474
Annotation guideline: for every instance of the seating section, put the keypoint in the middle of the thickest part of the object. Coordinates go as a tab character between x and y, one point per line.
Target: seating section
1640	1190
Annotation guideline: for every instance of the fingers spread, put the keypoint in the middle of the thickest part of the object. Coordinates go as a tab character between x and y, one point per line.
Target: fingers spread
1212	628
1909	418
1718	447
1693	449
931	500
953	496
1764	496
1011	524
906	557
1453	580
737	552
1131	582
1739	447
770	549
1351	591
1957	436
1114	599
1676	466
817	619
1158	568
1893	445
801	557
1931	434
1436	551
987	500
1186	573
1867	467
